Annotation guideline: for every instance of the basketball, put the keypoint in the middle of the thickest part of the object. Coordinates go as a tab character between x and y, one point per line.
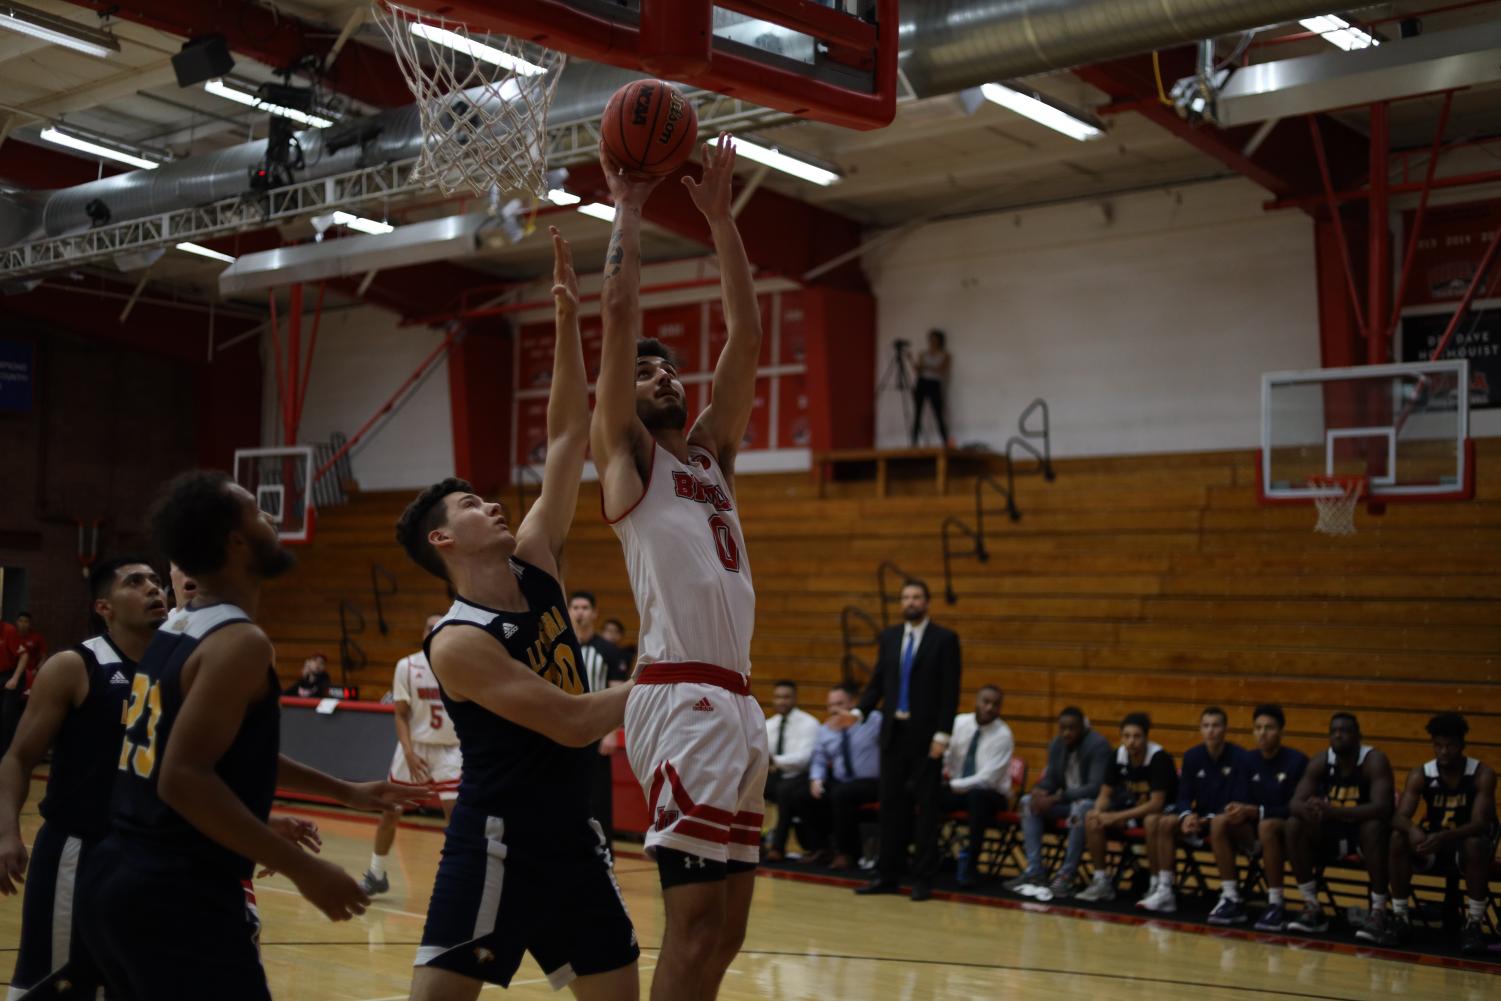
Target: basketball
649	127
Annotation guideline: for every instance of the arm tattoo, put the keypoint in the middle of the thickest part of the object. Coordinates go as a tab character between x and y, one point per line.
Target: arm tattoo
614	256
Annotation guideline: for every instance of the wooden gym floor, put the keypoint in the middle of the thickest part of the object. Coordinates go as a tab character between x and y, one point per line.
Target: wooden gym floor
810	941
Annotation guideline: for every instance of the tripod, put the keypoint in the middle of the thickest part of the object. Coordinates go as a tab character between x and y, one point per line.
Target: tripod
898	376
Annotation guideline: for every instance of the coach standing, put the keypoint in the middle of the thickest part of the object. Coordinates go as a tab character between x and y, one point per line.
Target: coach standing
916	679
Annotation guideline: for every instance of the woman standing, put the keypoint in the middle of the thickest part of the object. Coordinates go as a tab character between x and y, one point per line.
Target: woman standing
932	368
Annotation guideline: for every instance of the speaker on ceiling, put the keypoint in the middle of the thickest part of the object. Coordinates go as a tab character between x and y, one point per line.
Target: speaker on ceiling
203	58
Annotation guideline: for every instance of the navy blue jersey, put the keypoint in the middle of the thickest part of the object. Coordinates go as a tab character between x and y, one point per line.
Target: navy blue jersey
1269	783
248	765
1448	807
1206	783
1341	788
88	745
1132	784
537	786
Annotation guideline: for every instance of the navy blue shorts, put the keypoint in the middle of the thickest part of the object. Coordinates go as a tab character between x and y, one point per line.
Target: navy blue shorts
52	961
160	930
493	902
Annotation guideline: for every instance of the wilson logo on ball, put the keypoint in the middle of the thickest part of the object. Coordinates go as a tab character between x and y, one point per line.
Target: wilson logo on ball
649	127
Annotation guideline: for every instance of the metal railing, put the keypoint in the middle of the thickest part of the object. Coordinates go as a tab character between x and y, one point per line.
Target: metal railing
978	552
379	575
351	655
852	667
884	592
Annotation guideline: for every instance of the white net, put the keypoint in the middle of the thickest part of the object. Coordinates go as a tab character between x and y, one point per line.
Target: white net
482	101
1336	503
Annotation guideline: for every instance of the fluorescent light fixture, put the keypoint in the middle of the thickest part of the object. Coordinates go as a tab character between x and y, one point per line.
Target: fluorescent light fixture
599	210
565	198
57	30
193	248
52	135
1339	32
475	50
777	160
1041	112
360	224
219	89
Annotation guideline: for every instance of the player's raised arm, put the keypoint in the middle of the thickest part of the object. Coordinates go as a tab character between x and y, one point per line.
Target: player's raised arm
721	426
540	538
472	666
616	433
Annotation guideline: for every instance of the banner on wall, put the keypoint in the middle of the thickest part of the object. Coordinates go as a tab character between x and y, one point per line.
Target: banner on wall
17	370
1453	239
1478	338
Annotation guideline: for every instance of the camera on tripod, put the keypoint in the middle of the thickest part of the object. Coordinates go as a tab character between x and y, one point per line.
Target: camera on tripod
901	345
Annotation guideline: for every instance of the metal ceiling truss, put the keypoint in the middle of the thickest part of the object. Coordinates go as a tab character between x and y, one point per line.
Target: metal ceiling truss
568	144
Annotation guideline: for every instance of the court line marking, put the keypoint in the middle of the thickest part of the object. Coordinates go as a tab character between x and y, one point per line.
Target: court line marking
486	987
261	888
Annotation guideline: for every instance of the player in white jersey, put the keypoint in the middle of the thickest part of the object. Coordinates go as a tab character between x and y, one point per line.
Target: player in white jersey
695	737
427	752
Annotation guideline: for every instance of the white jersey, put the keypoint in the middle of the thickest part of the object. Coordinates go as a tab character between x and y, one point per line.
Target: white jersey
416	685
689	572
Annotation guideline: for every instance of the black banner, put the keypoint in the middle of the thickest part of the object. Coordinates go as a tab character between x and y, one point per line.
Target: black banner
1478	339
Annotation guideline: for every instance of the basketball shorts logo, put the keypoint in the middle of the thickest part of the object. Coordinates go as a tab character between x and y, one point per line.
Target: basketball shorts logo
692	862
666	818
703	705
483	955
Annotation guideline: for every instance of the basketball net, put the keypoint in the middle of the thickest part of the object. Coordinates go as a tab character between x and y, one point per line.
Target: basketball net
482	101
1336	505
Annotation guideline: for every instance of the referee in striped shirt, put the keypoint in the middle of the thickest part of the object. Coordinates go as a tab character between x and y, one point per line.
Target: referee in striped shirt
603	666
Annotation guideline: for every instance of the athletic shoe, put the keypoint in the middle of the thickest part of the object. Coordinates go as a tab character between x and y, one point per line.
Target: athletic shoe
372	886
1472	939
1228	912
1398	929
1160	901
1063	885
966	873
1015	883
1096	891
1312	920
1374	929
1274	918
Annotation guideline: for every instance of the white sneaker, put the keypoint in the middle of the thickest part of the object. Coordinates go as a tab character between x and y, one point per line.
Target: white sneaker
1160	901
1096	891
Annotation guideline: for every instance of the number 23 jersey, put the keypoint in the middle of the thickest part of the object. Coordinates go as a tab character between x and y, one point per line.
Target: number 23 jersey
685	555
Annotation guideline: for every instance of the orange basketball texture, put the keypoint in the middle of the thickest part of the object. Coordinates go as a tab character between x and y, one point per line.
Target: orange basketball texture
649	127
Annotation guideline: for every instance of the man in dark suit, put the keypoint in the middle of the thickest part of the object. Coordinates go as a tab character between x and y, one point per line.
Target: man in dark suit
916	680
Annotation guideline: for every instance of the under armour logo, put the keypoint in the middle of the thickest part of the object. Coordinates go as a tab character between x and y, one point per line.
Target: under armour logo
1201	773
510	629
703	705
692	862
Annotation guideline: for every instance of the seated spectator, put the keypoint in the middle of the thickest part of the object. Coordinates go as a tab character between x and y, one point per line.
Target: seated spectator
314	681
844	775
1078	762
613	630
790	733
25	650
1459	813
1257	816
1210	770
977	766
1140	785
1342	806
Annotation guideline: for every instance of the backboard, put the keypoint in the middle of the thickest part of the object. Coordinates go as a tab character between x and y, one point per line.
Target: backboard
835	63
1405	427
278	479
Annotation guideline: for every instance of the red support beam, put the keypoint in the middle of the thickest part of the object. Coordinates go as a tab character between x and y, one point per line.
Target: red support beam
1379	238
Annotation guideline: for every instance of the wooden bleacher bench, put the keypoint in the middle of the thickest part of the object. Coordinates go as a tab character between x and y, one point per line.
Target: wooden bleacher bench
825	463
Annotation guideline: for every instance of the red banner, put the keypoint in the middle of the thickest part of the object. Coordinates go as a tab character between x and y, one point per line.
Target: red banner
718	334
1453	239
678	328
794	429
794	332
535	369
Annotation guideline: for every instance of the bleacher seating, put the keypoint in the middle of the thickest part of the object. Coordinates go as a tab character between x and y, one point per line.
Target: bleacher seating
1150	582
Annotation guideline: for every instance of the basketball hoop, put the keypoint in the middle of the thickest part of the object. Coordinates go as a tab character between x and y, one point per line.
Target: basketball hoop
1336	501
482	101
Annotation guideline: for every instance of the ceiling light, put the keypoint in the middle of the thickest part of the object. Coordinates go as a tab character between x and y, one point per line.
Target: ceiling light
1041	111
560	197
475	50
599	210
360	224
219	89
52	135
193	248
1339	32
777	160
57	30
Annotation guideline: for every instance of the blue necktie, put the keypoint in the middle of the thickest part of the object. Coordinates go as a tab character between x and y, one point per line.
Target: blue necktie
849	759
907	651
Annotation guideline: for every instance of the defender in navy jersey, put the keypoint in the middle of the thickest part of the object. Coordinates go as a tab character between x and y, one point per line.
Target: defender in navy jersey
1256	818
1343	805
1139	784
164	902
525	868
74	710
1457	834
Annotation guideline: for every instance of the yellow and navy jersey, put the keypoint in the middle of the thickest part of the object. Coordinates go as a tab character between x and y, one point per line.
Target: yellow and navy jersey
1343	789
1446	807
537	786
248	766
88	742
1130	784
